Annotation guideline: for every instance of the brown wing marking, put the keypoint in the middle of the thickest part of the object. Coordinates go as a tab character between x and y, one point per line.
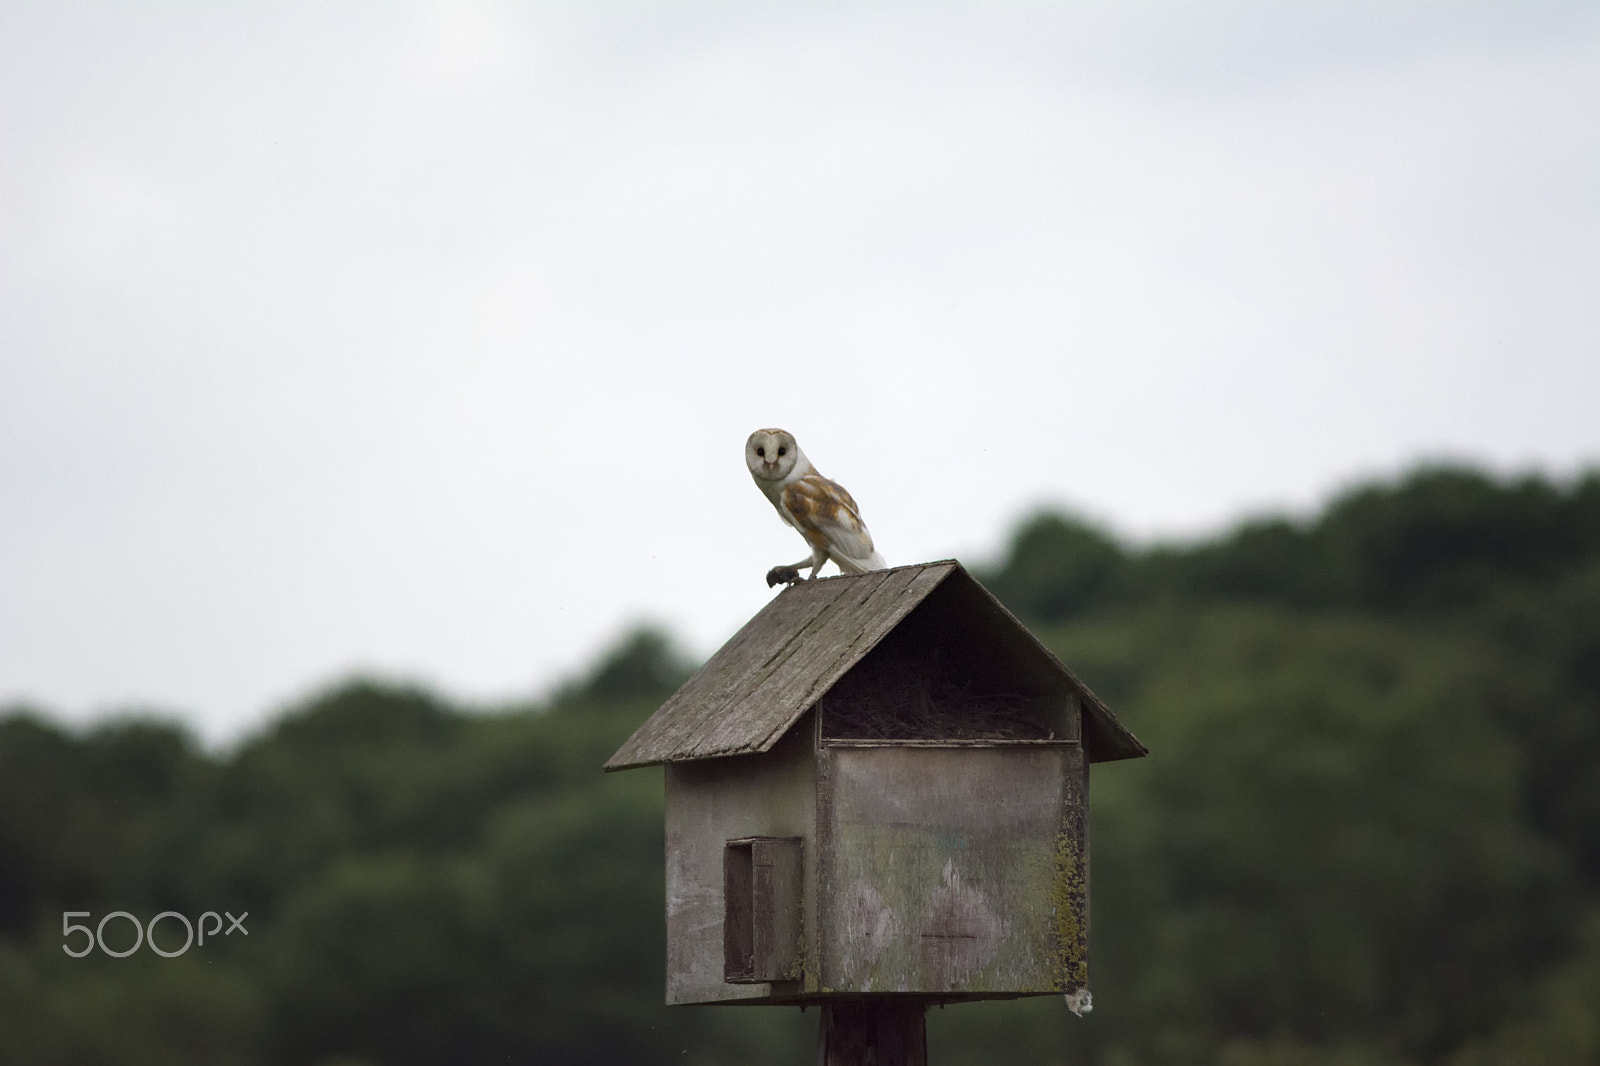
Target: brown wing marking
807	500
817	506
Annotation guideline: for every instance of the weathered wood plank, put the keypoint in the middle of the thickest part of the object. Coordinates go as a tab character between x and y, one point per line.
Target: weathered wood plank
941	871
854	625
758	684
997	742
775	892
1105	738
738	913
773	693
773	670
1069	965
708	803
702	701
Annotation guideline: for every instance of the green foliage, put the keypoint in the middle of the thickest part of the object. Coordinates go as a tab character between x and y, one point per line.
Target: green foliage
1562	1023
1441	539
1057	566
1368	833
644	664
423	884
120	811
1326	844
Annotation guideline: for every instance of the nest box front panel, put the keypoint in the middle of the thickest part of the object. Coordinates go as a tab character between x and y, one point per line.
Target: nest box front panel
959	870
711	804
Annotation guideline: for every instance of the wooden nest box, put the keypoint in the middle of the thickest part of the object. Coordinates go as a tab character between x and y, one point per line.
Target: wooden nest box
879	785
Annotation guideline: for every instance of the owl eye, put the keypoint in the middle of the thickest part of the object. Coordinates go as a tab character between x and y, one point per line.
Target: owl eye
783	451
761	452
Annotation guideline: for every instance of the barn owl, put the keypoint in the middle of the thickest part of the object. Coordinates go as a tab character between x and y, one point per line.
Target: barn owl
820	509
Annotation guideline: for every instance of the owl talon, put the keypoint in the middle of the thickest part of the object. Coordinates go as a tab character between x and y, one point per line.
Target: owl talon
786	575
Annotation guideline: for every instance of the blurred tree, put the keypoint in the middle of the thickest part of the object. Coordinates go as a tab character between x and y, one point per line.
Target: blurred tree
1445	536
1562	1025
1555	706
1056	567
1440	539
1326	846
39	771
85	821
644	664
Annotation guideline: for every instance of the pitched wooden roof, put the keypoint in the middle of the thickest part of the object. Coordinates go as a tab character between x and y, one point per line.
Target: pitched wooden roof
760	682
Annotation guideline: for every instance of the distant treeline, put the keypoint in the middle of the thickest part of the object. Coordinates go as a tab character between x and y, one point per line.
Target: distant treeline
1443	539
1368	831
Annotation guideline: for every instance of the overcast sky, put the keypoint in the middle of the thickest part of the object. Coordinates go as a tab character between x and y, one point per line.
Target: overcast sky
424	339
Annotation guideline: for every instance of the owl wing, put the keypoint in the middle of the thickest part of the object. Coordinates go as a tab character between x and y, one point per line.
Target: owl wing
826	515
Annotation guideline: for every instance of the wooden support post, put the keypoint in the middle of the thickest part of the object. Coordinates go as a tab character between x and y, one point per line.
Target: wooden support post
886	1031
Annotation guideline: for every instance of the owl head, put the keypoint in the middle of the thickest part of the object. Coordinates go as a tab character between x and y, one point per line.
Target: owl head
771	454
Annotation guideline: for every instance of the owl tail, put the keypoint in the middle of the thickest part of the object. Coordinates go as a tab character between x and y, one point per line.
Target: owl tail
874	561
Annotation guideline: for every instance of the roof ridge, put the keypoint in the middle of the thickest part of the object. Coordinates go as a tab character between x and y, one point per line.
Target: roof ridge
756	686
